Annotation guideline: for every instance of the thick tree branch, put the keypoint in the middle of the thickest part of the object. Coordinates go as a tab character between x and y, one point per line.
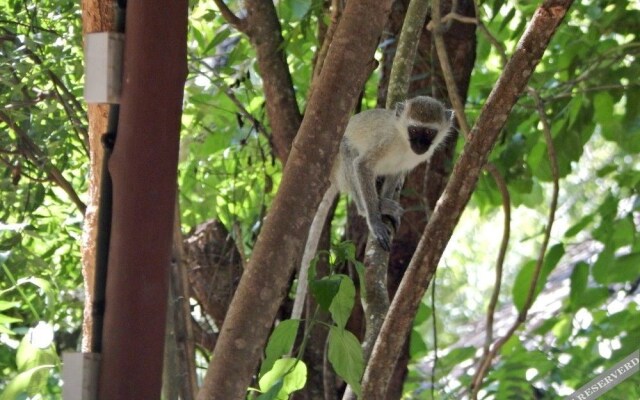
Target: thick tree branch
264	31
458	191
280	244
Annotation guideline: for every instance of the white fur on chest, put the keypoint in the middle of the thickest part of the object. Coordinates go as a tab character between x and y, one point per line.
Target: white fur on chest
401	160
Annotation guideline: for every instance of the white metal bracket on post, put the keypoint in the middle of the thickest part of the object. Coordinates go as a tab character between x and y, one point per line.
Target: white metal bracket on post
80	376
103	53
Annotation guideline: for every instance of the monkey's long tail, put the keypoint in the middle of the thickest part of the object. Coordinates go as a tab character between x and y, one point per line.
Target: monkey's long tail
310	249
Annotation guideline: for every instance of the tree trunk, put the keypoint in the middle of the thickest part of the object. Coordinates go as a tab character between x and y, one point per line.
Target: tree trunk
97	16
143	169
281	241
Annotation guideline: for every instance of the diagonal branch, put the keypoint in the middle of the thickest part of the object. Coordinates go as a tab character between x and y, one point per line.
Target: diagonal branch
239	23
458	191
35	155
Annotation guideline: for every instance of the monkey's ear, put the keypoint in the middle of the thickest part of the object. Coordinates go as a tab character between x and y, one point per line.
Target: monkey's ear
399	108
450	115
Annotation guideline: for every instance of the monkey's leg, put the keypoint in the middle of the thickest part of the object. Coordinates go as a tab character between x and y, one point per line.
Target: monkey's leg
392	211
390	191
348	155
366	191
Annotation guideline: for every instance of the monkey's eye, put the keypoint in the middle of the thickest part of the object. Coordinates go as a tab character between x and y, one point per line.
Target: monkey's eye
420	138
417	130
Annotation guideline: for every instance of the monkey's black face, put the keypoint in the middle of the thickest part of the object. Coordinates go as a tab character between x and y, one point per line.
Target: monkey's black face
421	138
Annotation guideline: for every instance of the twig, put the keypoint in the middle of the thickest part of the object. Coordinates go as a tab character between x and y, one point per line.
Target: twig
241	108
336	12
506	232
230	17
237	240
36	156
434	326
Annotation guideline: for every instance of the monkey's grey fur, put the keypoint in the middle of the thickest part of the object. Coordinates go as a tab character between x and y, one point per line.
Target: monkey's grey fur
377	143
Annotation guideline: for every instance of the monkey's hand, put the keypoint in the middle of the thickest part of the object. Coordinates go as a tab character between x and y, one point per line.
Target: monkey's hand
391	211
381	232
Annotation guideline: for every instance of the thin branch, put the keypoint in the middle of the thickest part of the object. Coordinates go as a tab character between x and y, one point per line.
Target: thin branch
441	49
506	232
241	108
183	327
434	327
36	156
237	240
485	362
453	16
238	23
572	93
492	39
336	12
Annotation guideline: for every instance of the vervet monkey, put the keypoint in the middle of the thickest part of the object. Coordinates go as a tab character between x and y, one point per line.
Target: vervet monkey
377	143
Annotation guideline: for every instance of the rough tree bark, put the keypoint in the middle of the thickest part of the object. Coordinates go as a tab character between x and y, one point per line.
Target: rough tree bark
97	16
144	169
281	241
458	191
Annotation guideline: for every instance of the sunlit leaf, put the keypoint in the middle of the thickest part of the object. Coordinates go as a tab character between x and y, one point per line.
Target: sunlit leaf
280	343
345	355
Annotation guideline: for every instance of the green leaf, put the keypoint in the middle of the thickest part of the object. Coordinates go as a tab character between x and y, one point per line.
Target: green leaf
6	319
602	265
579	280
34	350
456	357
417	346
522	283
5	305
273	392
292	374
343	301
345	355
27	383
579	226
280	343
525	275
625	268
324	290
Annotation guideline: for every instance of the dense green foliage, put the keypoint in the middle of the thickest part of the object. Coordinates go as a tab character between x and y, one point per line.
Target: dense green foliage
589	87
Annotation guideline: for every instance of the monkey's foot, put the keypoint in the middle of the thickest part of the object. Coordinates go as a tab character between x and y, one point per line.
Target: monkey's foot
382	234
392	211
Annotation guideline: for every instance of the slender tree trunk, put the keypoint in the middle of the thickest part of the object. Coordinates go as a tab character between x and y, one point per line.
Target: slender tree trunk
97	16
280	244
143	169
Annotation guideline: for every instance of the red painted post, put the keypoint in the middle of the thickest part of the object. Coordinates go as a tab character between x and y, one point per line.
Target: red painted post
143	169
